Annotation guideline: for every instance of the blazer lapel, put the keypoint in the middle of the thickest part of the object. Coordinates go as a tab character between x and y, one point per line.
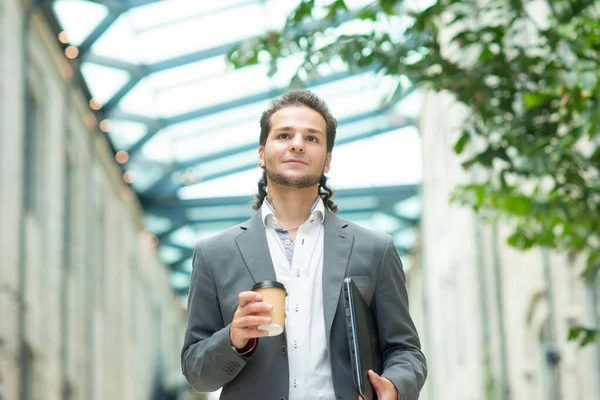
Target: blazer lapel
252	243
336	253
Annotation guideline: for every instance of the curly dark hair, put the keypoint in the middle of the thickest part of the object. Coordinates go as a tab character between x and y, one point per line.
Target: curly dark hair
298	98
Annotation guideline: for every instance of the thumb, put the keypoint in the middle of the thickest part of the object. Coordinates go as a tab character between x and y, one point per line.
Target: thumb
375	379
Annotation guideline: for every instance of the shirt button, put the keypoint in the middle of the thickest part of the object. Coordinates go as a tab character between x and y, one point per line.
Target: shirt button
297	308
295	344
298	273
288	241
295	383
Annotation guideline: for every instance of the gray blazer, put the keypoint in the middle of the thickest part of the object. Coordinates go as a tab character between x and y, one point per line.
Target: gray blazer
231	262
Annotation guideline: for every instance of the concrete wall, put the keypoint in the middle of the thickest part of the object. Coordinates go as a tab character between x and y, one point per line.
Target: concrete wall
85	306
487	313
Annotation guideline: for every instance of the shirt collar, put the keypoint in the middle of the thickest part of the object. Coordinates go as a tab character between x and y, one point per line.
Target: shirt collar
269	220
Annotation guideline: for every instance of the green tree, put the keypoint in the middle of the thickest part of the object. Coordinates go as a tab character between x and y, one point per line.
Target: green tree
529	76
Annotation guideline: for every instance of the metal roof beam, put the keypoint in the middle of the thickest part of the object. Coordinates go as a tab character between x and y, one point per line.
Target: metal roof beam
129	4
113	4
241	102
156	205
114	11
238	217
165	206
190	58
161	186
123	91
352	139
133	69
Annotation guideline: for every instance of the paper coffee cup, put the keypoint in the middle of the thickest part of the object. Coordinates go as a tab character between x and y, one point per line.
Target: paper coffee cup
273	293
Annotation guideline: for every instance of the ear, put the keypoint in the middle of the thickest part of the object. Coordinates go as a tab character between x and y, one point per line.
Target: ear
261	155
327	163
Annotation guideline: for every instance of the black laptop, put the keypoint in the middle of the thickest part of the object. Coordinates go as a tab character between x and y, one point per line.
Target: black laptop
365	353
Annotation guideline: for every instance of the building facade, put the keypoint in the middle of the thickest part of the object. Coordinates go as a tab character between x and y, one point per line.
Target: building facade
86	309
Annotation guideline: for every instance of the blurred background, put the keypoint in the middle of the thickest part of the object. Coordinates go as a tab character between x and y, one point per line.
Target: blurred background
467	130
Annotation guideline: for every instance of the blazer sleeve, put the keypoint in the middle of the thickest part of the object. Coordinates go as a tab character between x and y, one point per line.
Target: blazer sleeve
208	361
403	361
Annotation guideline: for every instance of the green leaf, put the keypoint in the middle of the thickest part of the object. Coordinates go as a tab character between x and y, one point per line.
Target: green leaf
388	6
574	332
462	141
533	100
584	334
590	337
592	266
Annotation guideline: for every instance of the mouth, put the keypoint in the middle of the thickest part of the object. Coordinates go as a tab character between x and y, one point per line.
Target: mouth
294	161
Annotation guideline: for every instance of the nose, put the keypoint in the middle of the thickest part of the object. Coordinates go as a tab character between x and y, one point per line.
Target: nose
297	143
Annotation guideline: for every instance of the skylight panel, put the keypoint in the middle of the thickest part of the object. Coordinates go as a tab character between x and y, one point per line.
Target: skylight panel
357	202
410	207
78	18
185	236
384	160
120	41
140	100
239	184
216	212
217	140
410	106
219	120
103	81
123	134
169	255
206	31
163	13
199	70
228	163
224	88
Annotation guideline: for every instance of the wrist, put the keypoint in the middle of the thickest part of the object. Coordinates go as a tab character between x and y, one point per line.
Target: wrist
247	349
237	345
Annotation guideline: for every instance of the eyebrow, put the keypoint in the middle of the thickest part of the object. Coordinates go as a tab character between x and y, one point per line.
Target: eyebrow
289	128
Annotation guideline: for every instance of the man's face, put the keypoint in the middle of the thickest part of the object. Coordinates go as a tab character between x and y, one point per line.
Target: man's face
295	153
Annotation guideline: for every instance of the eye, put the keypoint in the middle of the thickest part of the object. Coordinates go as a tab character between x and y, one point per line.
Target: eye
283	136
312	139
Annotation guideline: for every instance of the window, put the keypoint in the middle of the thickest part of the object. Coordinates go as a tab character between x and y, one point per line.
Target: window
101	272
33	160
66	271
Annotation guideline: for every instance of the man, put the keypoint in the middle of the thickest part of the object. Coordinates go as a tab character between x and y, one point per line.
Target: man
296	238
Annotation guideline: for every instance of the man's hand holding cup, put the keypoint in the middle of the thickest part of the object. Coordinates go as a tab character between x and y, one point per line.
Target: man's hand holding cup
260	312
251	312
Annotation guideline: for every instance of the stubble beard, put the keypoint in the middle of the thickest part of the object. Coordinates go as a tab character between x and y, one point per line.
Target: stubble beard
302	182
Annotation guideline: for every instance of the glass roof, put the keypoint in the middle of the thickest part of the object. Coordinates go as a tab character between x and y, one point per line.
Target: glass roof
187	122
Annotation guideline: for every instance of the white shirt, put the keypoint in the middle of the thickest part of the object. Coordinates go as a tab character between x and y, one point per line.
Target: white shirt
300	269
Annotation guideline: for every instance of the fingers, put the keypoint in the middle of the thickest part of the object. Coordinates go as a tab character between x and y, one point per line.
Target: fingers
248	305
255	308
248	297
247	318
250	321
250	333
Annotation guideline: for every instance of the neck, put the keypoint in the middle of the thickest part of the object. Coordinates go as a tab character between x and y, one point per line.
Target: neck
292	206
